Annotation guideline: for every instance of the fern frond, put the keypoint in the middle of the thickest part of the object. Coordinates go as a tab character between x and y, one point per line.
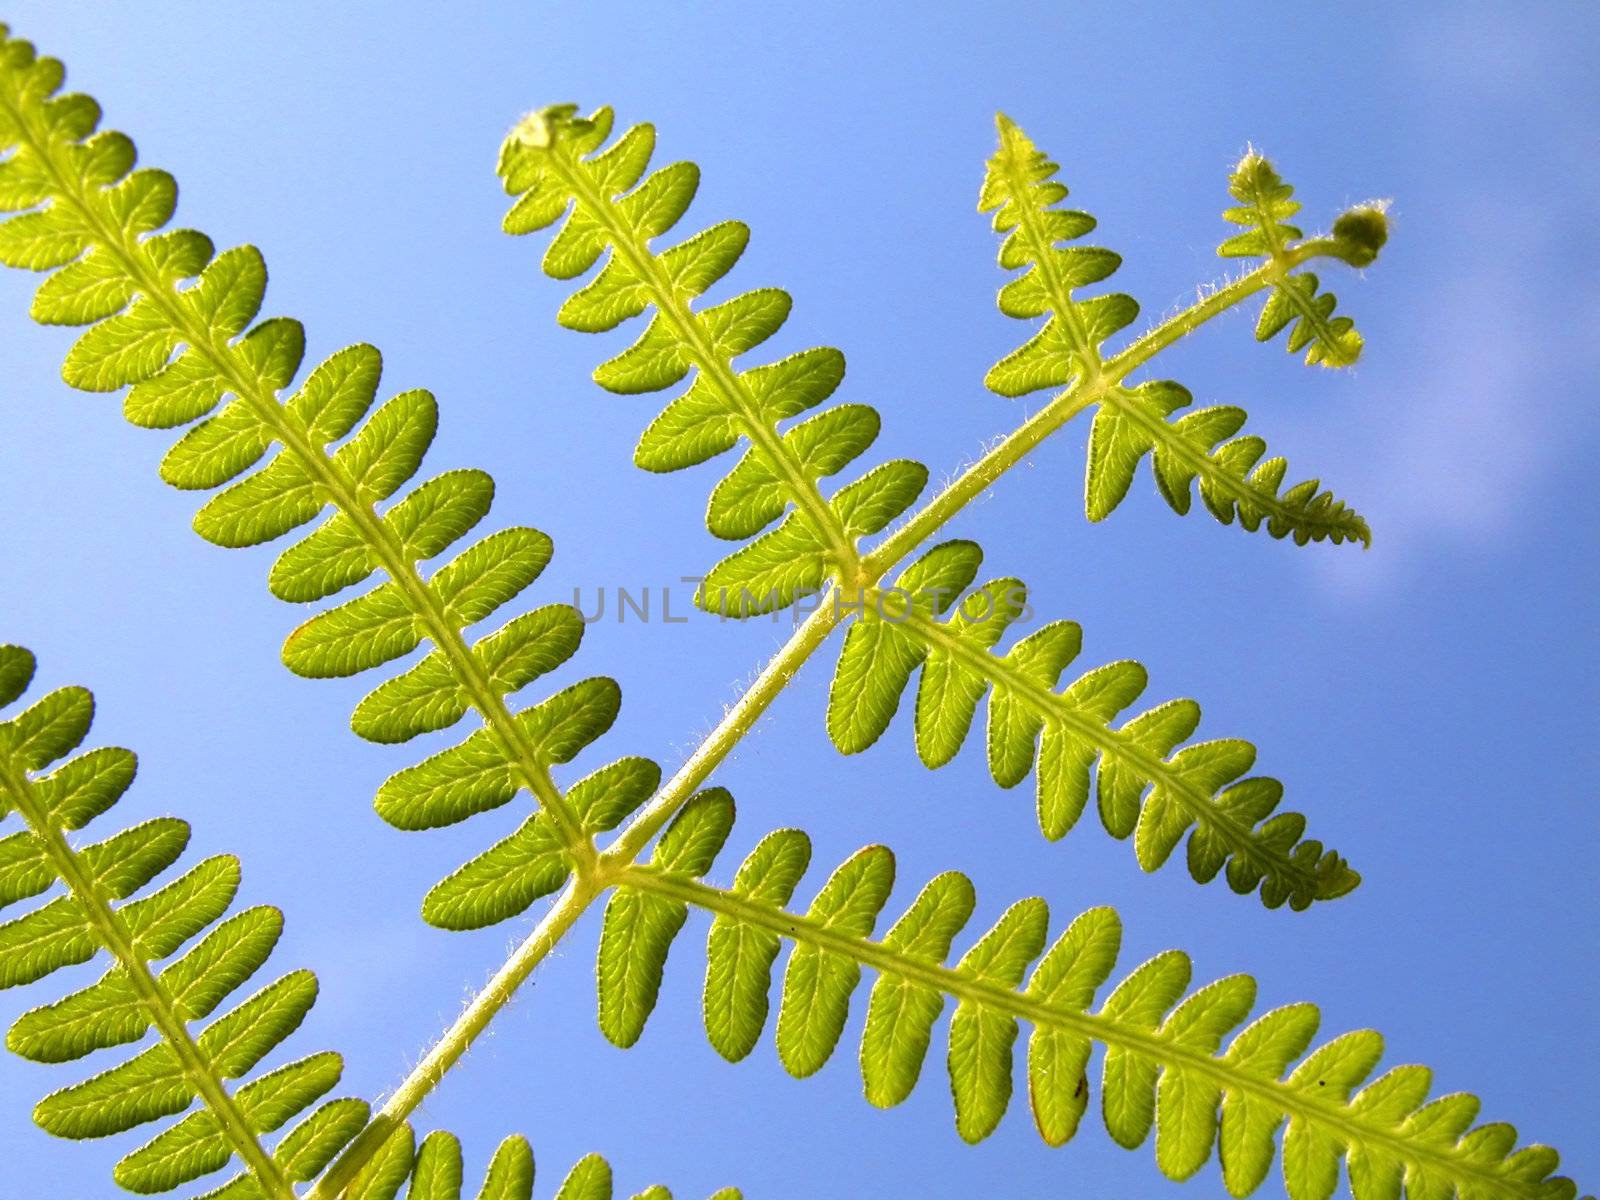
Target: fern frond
1147	786
109	903
1021	189
1235	480
1266	205
149	296
1165	1067
554	164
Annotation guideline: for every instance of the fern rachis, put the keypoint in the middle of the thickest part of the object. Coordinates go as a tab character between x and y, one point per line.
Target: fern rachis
86	214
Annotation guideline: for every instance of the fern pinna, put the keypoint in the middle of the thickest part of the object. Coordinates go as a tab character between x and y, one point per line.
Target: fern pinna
1165	1066
554	162
93	222
90	217
207	956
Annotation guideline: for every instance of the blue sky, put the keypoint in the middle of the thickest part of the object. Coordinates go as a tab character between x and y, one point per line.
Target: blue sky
1429	703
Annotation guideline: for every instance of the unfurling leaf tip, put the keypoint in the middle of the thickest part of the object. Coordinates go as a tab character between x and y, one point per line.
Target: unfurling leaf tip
1362	232
534	131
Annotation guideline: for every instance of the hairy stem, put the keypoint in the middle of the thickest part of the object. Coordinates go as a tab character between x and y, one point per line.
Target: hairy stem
1349	1126
458	1039
113	933
719	743
331	478
588	883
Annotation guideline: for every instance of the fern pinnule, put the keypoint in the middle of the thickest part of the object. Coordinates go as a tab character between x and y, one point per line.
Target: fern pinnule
102	909
1148	787
94	222
437	1175
1130	422
1176	1061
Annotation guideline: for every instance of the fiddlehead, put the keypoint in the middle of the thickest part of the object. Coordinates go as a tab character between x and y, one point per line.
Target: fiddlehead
1169	1063
1147	786
1130	422
93	220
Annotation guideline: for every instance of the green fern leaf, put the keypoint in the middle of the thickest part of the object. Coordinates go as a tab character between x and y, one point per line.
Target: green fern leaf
1175	1061
738	958
510	1175
1019	187
388	1169
1265	207
102	909
818	983
554	164
311	1145
437	1172
1147	786
437	1175
1130	423
980	1062
901	1011
326	454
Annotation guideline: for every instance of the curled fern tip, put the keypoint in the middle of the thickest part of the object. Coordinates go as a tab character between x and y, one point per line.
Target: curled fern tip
1362	232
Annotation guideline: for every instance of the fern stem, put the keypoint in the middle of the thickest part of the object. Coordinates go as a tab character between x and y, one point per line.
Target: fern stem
720	742
579	894
718	368
1086	391
978	477
330	477
799	928
458	1039
1148	344
1114	744
113	933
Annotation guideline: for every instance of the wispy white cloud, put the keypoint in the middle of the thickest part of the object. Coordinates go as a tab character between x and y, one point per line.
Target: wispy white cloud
1498	386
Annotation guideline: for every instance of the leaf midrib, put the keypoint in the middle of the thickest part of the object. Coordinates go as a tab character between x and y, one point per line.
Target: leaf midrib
968	987
513	742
